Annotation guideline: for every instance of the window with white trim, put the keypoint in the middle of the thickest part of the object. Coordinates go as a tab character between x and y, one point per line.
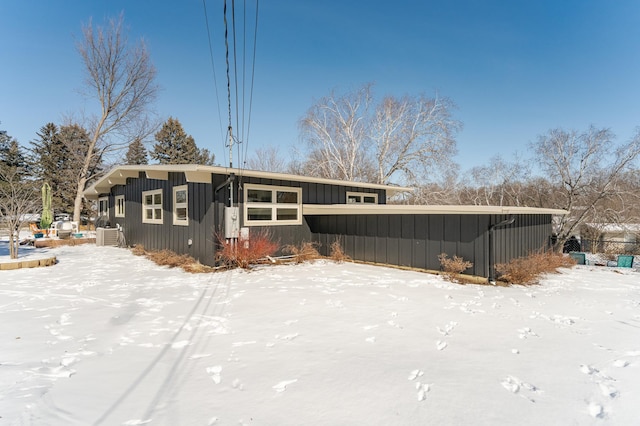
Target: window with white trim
180	205
361	198
272	205
119	205
152	206
103	206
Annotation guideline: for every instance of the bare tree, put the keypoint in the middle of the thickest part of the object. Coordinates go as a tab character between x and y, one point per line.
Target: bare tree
499	183
336	131
399	139
121	78
18	199
585	167
268	159
412	136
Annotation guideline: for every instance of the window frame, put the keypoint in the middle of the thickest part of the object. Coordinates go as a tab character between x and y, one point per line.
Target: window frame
119	206
103	201
273	206
154	206
361	196
185	205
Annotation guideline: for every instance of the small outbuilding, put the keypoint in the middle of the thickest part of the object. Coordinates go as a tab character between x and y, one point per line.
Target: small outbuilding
186	208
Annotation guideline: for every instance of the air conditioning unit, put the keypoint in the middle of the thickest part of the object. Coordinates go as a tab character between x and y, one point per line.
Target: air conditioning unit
107	237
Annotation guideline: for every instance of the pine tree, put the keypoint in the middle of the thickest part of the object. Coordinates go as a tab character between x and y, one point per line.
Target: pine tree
175	146
137	153
49	158
56	157
205	157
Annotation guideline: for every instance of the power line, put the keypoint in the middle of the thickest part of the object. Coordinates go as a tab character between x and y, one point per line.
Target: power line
253	73
213	69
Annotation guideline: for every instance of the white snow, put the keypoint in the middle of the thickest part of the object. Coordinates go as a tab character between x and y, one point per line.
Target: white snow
108	338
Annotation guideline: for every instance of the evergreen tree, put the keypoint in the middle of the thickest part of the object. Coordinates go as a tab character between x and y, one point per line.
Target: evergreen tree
137	153
57	159
205	157
49	159
175	146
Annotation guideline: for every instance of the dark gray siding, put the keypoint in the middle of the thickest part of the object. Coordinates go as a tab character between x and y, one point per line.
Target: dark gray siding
413	240
417	240
166	235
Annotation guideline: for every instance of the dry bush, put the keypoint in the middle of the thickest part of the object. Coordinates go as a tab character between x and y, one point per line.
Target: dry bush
172	260
138	250
169	258
245	253
451	268
337	254
527	270
306	251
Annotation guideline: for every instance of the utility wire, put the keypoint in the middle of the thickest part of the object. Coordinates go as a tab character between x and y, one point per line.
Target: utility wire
215	79
226	44
253	73
235	65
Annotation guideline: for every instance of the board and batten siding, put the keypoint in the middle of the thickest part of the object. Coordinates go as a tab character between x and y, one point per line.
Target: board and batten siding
312	193
416	240
201	213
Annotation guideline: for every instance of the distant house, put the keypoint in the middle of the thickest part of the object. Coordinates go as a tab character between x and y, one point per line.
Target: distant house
610	237
184	207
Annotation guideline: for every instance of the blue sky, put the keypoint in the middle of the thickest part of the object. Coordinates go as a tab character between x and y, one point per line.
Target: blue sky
515	69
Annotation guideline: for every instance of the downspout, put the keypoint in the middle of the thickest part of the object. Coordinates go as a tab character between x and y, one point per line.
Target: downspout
492	271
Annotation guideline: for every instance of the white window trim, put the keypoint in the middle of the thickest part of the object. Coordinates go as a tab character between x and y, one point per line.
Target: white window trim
153	206
273	205
119	203
104	213
176	205
361	196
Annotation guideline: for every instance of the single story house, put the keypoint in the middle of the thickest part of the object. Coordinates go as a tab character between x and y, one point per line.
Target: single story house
610	237
184	208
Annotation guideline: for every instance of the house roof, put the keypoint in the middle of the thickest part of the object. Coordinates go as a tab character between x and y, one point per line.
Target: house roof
347	209
199	173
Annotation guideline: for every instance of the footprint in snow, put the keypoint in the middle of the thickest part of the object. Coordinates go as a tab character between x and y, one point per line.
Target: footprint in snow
215	372
422	388
608	390
440	345
447	329
596	410
415	374
517	386
620	363
282	386
526	332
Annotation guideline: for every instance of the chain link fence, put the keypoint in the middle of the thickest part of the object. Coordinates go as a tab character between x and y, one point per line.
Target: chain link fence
602	246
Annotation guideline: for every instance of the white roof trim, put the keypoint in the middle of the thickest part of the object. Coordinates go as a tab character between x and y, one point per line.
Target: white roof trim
196	172
363	209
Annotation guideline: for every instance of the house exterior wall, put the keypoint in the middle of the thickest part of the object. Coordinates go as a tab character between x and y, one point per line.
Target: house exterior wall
417	240
206	212
201	213
413	240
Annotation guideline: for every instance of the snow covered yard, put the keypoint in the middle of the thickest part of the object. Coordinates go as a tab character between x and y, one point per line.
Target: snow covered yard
108	338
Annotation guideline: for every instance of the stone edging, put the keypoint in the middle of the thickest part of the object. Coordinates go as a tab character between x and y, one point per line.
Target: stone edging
35	263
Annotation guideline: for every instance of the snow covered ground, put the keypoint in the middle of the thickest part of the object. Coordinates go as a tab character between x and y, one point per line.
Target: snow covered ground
108	338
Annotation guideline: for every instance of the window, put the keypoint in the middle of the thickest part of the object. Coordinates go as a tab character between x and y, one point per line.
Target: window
119	205
361	198
103	206
180	205
152	206
272	205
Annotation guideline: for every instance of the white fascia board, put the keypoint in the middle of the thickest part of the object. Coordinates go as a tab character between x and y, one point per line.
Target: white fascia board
366	209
